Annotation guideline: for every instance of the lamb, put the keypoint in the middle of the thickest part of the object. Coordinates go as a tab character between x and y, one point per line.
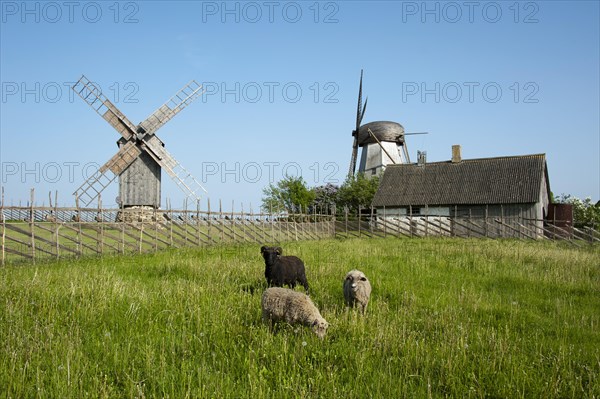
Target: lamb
283	270
293	307
357	290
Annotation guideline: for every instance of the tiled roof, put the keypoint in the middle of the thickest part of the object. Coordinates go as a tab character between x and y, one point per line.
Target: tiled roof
503	180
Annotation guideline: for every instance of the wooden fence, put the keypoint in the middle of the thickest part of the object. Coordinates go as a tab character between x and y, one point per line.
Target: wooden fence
518	227
34	233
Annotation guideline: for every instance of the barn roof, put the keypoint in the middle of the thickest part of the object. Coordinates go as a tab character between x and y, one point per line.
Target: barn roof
502	180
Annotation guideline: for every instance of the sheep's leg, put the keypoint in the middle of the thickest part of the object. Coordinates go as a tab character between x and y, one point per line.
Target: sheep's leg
305	285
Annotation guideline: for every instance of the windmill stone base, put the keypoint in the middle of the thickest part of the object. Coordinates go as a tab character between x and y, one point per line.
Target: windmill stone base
137	214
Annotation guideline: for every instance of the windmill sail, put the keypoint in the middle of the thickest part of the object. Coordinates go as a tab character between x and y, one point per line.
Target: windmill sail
93	96
184	179
95	184
360	113
169	109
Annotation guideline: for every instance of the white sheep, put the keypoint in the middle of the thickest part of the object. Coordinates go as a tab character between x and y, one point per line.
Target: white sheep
357	290
293	307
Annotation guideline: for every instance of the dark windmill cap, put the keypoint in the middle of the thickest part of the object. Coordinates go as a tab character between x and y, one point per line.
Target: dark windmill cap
383	130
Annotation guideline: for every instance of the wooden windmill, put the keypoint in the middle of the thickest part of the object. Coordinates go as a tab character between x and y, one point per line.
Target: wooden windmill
141	154
382	142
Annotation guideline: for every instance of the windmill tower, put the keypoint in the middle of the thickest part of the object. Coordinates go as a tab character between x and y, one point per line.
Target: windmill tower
141	154
382	142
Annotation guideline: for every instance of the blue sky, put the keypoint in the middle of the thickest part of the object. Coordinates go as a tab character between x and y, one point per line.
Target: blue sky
498	78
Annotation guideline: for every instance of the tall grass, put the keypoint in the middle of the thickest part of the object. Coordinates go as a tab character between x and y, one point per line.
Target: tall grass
448	318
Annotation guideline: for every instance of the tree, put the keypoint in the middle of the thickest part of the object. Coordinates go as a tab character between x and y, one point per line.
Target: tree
326	198
585	213
289	195
358	192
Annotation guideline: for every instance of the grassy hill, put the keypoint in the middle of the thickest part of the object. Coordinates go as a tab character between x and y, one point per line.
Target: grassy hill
448	317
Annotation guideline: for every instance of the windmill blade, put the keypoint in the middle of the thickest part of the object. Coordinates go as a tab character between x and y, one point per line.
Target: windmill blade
354	156
168	110
91	189
92	95
184	179
359	106
409	134
360	113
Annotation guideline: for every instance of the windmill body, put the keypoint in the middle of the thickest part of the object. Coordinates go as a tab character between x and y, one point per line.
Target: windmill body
382	142
141	156
387	147
140	183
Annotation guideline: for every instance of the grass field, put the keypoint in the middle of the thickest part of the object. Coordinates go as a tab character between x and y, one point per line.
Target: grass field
448	318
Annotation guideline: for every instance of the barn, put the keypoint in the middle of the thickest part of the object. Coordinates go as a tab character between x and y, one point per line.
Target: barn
493	197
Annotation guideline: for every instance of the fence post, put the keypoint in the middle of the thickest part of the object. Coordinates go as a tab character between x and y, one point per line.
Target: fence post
520	221
170	210
486	221
334	214
101	217
410	220
426	220
141	231
371	221
221	220
55	221
122	222
271	220
155	221
198	221
453	234
242	220
208	217
384	220
470	224
2	221
502	233
31	225
359	220
79	243
232	221
346	219
296	224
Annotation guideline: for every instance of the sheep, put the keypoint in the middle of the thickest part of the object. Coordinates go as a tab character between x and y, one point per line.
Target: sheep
293	307
283	270
357	290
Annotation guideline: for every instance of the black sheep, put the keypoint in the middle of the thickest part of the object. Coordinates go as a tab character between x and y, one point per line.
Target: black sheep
283	270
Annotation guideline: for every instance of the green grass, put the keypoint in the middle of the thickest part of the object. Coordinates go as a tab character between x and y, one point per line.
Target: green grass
447	318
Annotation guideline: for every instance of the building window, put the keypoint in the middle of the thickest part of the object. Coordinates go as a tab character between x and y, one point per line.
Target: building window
415	211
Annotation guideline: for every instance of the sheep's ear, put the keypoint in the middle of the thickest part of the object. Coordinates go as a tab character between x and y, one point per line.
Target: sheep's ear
262	249
279	250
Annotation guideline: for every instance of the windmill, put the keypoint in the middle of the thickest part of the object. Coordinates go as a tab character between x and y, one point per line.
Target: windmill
141	154
382	142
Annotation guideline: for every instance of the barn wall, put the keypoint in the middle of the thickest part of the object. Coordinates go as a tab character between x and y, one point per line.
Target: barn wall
512	220
140	183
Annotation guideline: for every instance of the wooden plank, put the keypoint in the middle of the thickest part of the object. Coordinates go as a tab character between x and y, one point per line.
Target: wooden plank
456	221
84	234
15	252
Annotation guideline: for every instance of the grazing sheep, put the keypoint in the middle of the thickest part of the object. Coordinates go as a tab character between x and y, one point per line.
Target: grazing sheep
357	289
283	270
293	307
